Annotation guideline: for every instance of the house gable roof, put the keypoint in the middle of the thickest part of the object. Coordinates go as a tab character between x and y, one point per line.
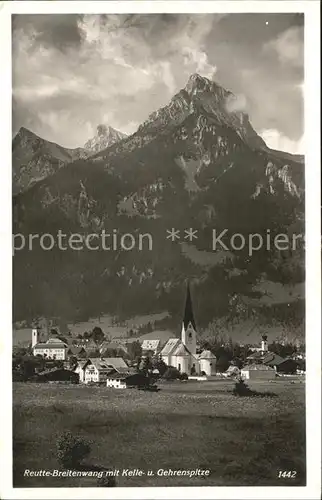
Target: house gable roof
112	345
233	369
150	345
106	364
116	375
80	364
52	345
55	340
273	359
75	350
258	368
206	354
255	355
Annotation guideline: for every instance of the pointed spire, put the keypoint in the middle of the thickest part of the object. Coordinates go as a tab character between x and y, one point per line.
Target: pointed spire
188	312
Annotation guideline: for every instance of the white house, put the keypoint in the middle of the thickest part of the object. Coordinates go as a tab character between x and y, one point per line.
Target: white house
232	371
53	348
79	369
207	363
151	345
116	383
257	372
129	378
97	369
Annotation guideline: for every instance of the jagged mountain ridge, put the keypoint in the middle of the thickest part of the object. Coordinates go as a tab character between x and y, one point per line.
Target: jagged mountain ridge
34	158
183	168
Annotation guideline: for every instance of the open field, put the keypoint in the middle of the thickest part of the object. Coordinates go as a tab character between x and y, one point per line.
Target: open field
242	441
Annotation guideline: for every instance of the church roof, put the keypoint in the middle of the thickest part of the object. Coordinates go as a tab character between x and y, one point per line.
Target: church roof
170	346
188	312
181	350
206	354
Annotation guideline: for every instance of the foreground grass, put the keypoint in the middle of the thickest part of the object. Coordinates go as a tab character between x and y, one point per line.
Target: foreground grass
242	441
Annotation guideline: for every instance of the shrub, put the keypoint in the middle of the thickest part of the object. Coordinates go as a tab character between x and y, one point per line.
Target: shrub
71	450
171	373
183	376
241	388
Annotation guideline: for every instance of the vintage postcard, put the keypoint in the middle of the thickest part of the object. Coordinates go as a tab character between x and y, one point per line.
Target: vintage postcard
163	309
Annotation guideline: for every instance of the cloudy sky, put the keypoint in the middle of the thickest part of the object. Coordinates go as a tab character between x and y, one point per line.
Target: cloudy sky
72	72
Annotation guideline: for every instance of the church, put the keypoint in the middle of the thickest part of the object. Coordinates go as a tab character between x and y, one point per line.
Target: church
182	353
53	348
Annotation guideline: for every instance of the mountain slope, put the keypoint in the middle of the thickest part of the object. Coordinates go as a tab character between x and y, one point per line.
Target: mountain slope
195	163
34	158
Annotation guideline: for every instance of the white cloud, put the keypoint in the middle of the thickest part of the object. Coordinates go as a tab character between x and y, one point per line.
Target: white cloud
275	140
130	127
289	46
122	68
236	103
198	62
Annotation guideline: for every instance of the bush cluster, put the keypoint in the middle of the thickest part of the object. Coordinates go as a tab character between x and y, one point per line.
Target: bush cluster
71	450
241	388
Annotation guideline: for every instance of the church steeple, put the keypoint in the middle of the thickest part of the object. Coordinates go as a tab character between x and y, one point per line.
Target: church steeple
188	312
188	333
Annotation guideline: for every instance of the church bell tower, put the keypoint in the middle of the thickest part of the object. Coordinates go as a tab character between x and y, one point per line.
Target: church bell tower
264	344
188	332
34	336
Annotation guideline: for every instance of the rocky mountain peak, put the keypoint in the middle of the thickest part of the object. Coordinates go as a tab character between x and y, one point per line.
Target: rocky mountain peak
105	137
197	83
24	136
202	97
24	131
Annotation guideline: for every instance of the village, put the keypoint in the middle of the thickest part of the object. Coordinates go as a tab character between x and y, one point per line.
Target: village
124	363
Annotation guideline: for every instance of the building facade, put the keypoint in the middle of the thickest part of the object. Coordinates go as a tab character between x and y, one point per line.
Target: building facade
257	372
53	348
207	363
98	369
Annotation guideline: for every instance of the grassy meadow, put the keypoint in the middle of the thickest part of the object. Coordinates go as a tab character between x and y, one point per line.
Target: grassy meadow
242	441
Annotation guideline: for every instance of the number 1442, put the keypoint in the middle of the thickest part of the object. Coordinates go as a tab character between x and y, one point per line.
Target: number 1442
291	474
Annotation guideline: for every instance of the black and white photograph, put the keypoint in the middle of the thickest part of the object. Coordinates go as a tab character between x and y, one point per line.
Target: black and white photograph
159	192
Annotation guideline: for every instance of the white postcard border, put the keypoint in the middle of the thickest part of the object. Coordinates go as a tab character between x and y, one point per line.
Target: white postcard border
313	247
